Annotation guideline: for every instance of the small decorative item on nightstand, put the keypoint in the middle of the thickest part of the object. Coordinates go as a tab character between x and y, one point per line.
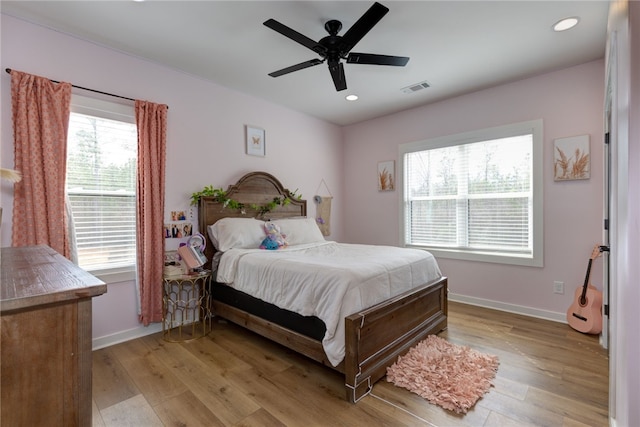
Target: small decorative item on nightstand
191	256
186	306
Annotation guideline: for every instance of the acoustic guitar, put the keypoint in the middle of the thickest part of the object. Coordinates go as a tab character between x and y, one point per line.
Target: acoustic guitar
585	314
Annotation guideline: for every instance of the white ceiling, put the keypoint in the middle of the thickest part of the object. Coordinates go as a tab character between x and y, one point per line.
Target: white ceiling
456	46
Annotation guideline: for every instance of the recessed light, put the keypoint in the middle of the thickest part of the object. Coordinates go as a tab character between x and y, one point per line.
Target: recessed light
351	97
566	23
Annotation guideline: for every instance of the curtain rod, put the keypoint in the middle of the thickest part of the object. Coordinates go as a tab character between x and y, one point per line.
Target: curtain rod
8	70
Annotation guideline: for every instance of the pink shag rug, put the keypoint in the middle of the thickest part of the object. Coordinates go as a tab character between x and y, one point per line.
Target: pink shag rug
446	374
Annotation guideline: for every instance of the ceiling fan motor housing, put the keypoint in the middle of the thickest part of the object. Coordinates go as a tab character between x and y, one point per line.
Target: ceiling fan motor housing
333	47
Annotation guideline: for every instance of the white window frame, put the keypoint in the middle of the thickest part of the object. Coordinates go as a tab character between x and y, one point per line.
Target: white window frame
113	111
535	259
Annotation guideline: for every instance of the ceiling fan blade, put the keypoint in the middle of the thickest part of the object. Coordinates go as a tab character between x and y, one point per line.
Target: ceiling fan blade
297	67
295	36
337	74
362	26
373	59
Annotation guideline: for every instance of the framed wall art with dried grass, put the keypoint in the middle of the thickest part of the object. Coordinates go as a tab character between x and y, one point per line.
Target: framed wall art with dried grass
386	176
571	158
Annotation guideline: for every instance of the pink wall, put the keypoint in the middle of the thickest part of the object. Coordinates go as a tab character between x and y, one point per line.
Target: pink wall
205	134
570	102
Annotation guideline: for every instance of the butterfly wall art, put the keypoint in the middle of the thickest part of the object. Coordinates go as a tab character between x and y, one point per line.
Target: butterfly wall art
255	141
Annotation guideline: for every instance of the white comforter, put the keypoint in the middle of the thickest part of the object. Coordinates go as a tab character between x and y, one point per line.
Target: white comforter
328	280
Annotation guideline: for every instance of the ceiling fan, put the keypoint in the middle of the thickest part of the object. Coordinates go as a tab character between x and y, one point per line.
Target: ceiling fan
334	48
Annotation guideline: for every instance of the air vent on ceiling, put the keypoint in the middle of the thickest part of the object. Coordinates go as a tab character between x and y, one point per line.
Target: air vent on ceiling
416	87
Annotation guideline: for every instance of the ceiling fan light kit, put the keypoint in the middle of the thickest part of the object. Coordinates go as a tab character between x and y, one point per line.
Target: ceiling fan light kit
333	49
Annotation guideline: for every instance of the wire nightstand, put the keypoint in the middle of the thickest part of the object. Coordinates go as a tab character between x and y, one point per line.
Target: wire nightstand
186	306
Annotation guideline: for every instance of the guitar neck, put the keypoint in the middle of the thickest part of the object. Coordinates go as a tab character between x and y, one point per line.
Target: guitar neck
586	282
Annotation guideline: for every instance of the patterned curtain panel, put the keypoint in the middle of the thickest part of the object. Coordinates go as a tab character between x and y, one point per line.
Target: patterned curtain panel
41	111
152	134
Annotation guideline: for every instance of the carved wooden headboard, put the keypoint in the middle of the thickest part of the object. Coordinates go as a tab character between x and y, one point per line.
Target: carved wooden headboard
255	188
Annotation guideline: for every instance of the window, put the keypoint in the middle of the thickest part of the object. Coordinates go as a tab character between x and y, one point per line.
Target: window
101	184
476	196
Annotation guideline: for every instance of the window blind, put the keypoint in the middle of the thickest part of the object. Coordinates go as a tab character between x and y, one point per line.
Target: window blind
101	188
471	196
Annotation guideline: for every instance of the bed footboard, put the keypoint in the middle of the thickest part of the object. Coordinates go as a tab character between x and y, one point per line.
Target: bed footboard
375	337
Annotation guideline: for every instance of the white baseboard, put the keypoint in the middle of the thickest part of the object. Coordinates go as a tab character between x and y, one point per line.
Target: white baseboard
122	336
510	308
142	331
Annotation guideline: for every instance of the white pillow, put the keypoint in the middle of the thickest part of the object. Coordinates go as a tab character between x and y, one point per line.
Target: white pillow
212	236
243	233
299	231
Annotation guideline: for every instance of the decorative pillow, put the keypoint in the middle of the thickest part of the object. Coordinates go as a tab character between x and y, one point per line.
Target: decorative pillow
299	230
243	233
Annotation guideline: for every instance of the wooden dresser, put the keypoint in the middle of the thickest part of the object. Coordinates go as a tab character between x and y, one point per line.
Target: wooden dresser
45	351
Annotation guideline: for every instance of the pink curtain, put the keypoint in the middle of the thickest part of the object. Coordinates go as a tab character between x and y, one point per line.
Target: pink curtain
152	134
41	111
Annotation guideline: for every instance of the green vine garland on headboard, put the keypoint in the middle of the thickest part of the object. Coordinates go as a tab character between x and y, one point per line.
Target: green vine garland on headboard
220	196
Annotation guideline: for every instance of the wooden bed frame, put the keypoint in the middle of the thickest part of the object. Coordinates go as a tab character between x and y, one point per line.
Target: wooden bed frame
375	337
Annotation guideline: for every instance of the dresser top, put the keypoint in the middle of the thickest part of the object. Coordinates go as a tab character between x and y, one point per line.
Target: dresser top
36	275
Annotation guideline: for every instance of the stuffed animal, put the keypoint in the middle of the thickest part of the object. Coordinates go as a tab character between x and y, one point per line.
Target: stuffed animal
273	231
269	244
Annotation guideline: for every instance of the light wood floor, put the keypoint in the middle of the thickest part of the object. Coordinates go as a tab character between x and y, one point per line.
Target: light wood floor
549	375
